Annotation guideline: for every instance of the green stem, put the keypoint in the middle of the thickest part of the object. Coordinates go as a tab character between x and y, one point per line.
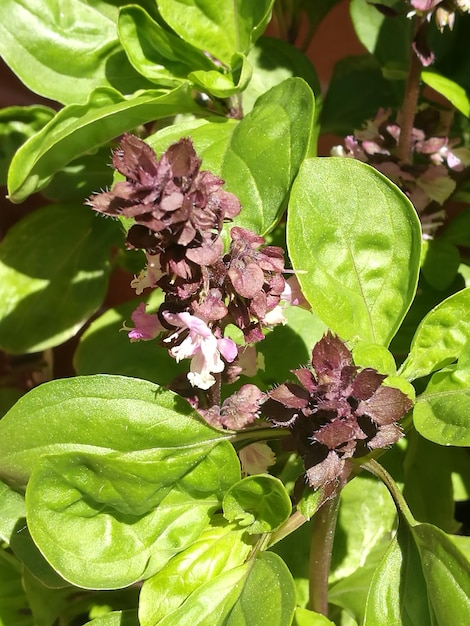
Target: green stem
377	470
296	520
408	110
321	546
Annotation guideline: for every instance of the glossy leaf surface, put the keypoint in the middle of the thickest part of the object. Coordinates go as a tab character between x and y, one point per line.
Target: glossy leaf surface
220	29
54	268
63	55
355	241
440	336
219	548
107	461
233	597
80	128
259	504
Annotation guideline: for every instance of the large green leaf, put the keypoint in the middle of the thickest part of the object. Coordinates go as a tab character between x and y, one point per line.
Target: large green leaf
440	336
259	592
222	29
355	241
219	548
64	54
54	268
121	475
81	128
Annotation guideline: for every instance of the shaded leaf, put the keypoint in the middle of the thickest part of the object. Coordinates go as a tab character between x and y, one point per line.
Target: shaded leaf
54	268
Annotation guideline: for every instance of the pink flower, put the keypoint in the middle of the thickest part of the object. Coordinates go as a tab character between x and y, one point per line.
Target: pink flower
199	345
147	326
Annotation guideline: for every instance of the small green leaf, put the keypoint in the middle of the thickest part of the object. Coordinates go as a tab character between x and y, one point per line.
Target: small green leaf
219	548
259	504
116	618
374	355
220	29
224	85
451	90
355	241
304	617
440	337
441	413
81	128
54	268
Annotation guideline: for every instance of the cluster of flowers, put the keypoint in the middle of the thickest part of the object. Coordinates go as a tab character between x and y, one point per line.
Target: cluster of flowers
179	213
429	180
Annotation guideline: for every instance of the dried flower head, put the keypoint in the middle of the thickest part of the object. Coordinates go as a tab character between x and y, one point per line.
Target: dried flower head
336	412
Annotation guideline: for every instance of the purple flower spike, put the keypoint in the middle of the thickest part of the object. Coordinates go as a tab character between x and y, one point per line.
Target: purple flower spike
336	412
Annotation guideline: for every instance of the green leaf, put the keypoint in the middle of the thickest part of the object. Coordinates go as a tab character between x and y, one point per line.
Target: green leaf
54	268
116	618
363	77
428	482
449	89
304	617
16	125
81	128
156	52
440	337
447	575
13	509
233	597
224	85
218	549
220	29
388	39
113	457
398	594
355	241
259	504
273	61
374	355
103	349
441	413
366	499
14	608
64	55
441	263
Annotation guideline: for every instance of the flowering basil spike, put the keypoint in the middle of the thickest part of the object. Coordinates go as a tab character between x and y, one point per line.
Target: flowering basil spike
336	412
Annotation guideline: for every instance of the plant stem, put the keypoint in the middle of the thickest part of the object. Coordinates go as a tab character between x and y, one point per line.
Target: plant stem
408	110
377	470
321	546
214	392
